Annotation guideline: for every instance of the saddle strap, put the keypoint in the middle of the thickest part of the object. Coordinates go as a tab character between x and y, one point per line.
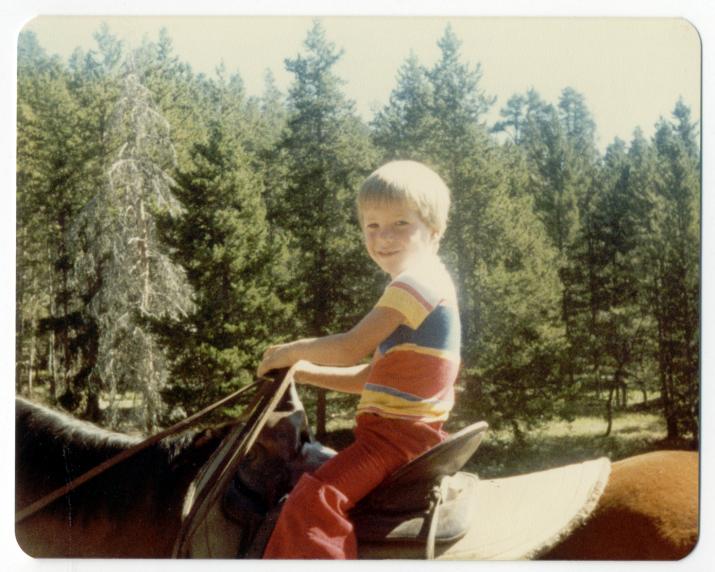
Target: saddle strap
436	502
263	534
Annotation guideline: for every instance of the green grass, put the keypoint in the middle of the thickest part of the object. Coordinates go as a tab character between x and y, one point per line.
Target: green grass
555	443
562	442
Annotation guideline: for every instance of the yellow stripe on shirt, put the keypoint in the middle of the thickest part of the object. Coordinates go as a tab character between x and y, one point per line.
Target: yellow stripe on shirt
444	354
400	300
434	410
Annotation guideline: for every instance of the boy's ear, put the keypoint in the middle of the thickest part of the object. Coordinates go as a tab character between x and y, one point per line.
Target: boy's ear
436	239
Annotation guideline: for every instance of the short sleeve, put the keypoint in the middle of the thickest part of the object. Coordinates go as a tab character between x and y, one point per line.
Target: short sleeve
411	298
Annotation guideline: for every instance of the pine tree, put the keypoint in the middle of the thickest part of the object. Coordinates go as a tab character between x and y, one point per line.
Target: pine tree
608	324
267	122
264	119
52	156
94	84
176	93
642	171
578	126
458	101
324	154
402	127
459	146
237	267
546	145
272	109
514	115
511	360
671	252
119	255
559	145
33	268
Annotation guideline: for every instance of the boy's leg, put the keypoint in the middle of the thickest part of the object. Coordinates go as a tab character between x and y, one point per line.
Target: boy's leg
314	523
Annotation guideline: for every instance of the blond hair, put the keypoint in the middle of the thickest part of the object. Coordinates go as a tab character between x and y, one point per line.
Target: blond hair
412	183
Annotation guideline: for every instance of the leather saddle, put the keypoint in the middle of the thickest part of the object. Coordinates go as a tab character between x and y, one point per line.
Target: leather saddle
423	502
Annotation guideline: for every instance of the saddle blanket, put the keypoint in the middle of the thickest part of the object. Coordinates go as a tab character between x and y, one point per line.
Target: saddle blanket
518	517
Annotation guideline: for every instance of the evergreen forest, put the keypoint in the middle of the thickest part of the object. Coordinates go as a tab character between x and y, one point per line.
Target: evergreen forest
170	227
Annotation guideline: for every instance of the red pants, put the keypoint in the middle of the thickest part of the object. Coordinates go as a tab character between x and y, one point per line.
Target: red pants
313	522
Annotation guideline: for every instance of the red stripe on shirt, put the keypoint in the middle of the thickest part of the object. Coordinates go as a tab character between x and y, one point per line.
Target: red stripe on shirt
422	375
414	293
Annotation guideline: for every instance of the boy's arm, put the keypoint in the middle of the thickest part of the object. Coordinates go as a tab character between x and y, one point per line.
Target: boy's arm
345	379
344	349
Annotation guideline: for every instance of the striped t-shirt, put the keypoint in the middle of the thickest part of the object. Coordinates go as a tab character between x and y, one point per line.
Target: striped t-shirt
414	369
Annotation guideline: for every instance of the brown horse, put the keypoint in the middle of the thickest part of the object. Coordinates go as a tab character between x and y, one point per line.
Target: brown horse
649	509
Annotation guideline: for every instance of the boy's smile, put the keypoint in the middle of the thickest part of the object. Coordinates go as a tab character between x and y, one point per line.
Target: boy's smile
396	236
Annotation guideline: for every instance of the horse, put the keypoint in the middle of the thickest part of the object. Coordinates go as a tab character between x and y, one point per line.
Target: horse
648	509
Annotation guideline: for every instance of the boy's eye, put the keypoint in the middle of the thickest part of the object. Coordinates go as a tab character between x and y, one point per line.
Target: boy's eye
402	222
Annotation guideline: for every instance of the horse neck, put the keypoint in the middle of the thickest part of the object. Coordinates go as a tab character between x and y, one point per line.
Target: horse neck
53	448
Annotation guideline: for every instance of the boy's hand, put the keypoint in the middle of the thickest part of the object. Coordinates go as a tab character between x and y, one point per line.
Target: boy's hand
275	357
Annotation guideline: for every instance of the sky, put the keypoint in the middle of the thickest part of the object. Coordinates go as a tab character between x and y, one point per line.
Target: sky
630	70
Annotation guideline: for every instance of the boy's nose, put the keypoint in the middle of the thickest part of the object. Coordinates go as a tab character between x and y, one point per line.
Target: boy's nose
386	233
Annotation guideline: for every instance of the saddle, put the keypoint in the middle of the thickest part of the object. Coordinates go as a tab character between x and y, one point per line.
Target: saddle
425	501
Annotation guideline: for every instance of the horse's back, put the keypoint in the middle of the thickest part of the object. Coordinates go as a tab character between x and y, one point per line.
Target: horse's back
649	510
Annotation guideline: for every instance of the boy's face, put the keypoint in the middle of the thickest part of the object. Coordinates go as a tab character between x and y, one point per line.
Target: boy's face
396	236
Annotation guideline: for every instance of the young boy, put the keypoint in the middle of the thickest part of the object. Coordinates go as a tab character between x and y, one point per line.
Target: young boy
406	390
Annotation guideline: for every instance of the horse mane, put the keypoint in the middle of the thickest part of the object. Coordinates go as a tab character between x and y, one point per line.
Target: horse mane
68	430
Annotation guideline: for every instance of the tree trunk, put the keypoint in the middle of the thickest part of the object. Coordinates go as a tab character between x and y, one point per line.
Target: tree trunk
321	308
609	411
321	414
65	339
664	362
92	411
150	389
31	361
597	378
151	407
33	340
52	366
519	438
669	409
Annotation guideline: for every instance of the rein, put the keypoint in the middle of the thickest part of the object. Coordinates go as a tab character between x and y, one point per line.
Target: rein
42	502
